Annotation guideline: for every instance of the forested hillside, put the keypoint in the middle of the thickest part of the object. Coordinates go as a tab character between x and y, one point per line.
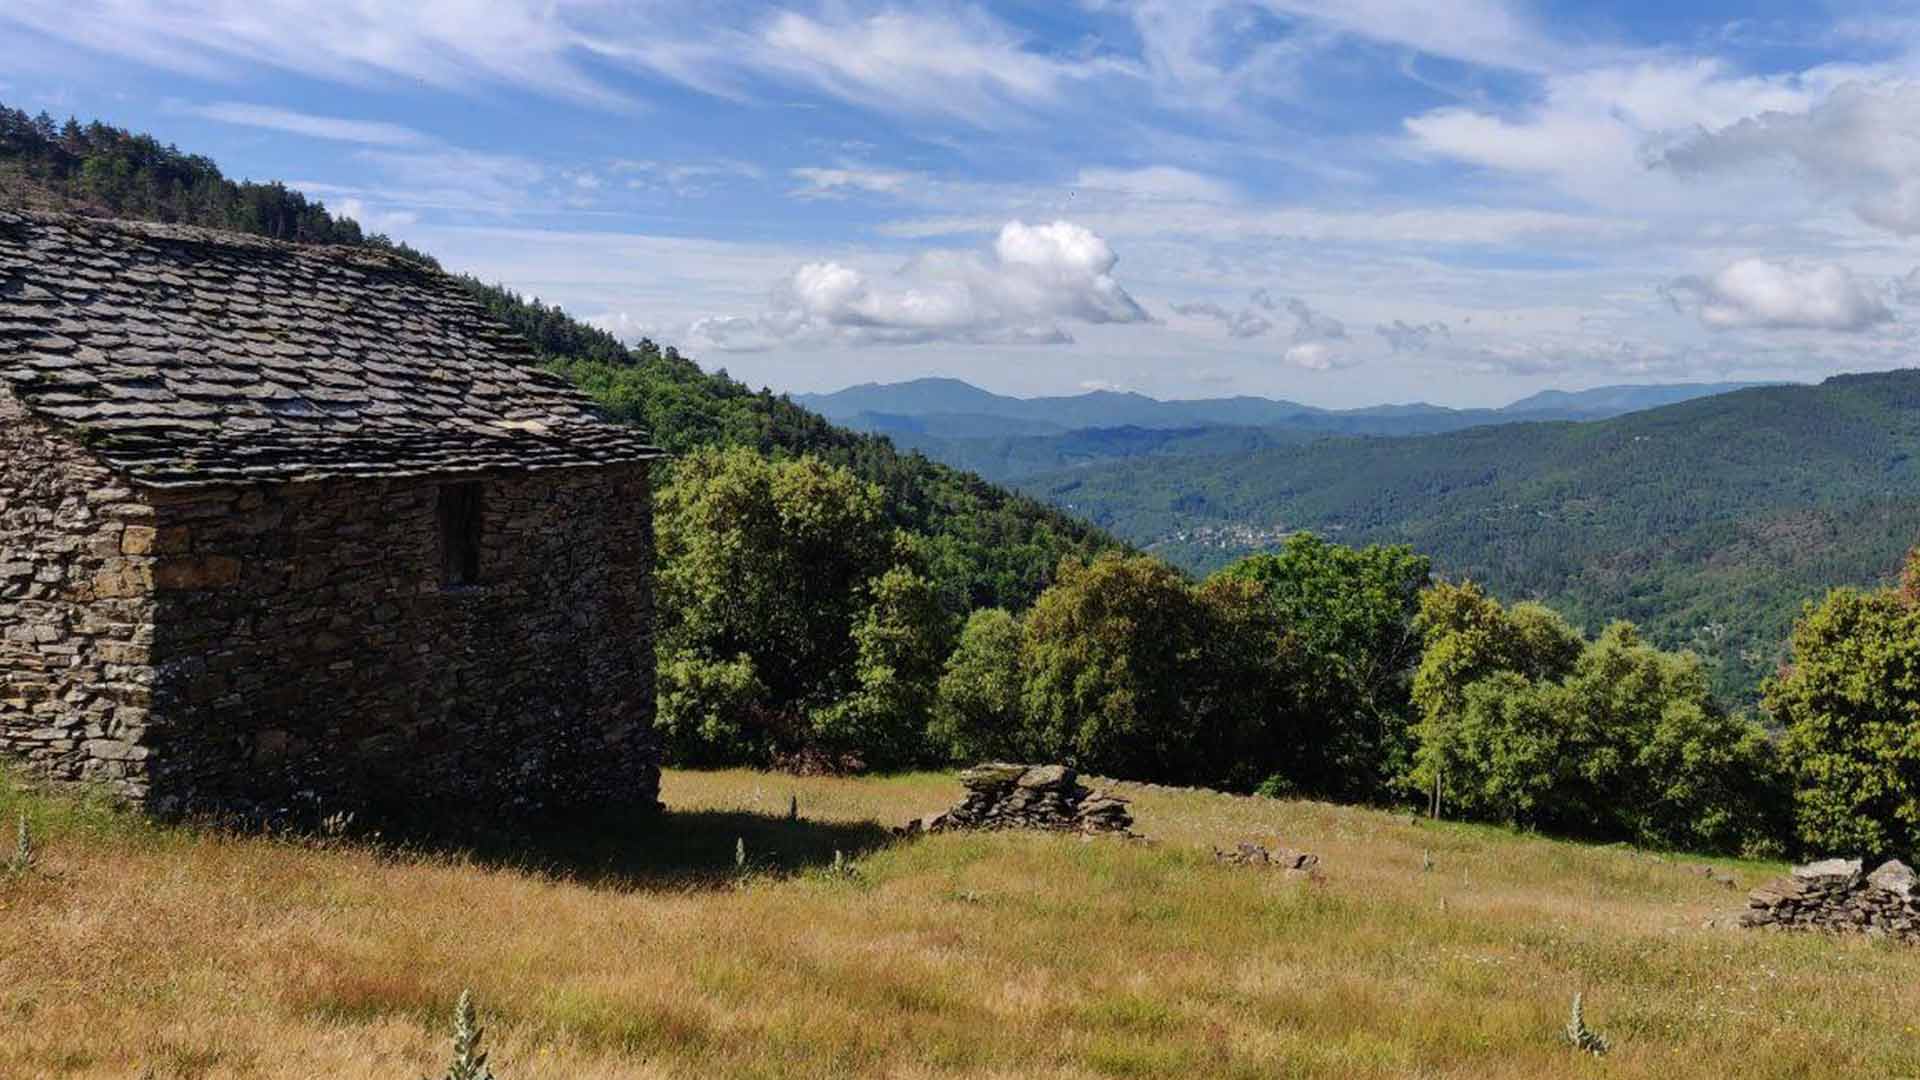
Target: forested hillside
1708	522
983	545
1005	439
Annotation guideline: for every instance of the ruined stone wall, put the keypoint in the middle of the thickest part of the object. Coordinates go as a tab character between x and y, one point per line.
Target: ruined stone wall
76	619
1839	895
1007	796
313	658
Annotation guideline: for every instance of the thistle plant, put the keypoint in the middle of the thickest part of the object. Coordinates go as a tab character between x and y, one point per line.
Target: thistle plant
1583	1037
335	825
23	854
469	1061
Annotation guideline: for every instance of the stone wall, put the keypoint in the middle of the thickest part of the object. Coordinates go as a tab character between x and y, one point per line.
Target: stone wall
76	618
312	657
1835	894
1004	796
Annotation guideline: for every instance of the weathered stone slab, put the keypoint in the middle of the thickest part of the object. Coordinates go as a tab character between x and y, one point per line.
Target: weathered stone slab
1009	796
991	775
1895	877
1828	868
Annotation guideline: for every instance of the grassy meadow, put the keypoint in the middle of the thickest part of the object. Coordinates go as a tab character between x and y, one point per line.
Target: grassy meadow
628	950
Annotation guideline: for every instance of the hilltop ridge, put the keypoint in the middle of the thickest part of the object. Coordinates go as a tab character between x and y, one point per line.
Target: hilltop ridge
1708	521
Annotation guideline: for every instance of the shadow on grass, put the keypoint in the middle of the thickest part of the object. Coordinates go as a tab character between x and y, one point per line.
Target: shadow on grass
667	850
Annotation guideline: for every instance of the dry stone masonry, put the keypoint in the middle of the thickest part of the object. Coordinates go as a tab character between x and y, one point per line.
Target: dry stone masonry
1002	796
1835	895
1278	858
76	611
287	527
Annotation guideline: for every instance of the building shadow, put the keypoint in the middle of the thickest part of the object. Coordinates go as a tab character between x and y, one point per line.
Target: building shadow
668	850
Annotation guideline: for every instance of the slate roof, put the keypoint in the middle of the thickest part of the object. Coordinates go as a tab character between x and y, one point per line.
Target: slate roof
187	357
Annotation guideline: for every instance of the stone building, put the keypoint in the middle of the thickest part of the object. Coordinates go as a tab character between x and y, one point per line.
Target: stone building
297	529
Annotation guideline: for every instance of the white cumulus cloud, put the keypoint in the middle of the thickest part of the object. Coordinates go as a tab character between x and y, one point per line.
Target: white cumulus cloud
1770	295
1034	278
1862	141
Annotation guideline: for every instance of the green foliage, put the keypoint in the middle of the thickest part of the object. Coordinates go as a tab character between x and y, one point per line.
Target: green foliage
981	545
902	641
709	710
1525	723
1127	669
1107	662
1469	637
1350	616
98	167
1707	523
764	574
1246	690
1714	782
977	708
1850	703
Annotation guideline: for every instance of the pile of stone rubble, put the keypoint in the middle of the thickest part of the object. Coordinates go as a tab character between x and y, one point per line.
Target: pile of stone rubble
1002	796
1835	895
1279	858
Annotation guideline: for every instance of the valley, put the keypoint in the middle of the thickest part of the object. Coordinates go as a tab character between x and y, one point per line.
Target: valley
1708	521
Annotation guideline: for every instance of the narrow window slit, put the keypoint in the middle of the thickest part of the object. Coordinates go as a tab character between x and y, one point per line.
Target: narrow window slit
460	513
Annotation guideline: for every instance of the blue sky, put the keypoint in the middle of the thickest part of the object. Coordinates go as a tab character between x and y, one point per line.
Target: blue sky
1338	202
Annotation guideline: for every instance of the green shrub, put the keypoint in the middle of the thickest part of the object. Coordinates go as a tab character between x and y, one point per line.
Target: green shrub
976	708
1527	724
707	710
1849	700
1348	615
901	641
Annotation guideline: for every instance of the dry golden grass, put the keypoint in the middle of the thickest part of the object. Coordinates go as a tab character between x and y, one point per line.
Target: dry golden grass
170	953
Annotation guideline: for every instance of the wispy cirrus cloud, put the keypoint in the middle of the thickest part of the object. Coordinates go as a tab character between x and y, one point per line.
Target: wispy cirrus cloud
452	44
962	63
958	62
836	183
338	129
1157	184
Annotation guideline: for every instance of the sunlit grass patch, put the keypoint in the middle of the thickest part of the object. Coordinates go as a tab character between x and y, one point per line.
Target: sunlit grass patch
639	951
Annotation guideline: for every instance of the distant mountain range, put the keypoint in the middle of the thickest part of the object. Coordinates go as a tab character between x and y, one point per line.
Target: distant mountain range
1006	438
959	409
1708	522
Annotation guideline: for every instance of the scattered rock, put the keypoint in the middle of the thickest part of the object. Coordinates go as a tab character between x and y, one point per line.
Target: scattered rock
1006	796
1834	895
1280	858
1713	875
